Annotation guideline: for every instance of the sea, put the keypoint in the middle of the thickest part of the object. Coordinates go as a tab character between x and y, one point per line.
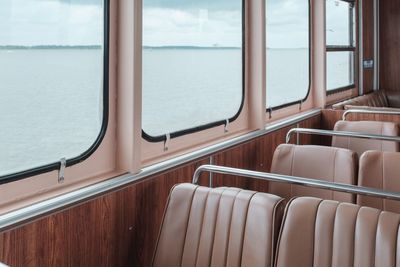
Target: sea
51	99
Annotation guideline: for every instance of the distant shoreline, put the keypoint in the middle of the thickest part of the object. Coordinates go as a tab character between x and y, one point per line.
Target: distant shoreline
38	47
42	47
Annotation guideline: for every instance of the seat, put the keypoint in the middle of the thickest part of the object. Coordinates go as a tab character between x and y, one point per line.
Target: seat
320	233
371	127
218	227
376	99
315	162
380	170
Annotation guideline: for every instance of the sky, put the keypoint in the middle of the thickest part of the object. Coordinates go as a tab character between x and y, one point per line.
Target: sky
51	22
165	22
218	23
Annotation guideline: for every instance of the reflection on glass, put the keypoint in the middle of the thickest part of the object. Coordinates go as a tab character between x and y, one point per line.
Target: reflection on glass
339	68
287	51
192	63
51	61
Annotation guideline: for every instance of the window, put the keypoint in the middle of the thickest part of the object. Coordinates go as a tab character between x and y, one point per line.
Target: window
54	84
340	45
192	65
288	52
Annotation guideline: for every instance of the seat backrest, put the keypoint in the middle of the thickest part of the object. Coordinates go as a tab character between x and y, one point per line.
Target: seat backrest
393	98
371	127
315	162
375	99
380	170
319	232
218	227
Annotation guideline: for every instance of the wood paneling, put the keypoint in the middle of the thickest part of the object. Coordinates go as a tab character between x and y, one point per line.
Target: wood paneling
254	155
389	35
368	43
257	155
330	117
121	228
118	229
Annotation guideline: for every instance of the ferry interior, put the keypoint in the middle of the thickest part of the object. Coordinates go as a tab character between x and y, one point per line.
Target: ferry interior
199	133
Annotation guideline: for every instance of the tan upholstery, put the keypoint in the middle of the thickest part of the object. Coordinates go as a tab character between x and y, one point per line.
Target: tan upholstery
393	98
372	127
322	233
375	99
381	98
380	170
316	162
218	227
347	107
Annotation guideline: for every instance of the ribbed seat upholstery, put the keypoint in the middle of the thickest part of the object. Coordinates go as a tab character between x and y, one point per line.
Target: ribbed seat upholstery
218	227
315	162
372	127
380	170
375	99
321	233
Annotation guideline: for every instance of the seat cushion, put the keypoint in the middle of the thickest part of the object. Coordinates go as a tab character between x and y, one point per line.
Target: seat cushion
372	127
375	99
218	227
319	232
380	170
315	162
347	107
393	97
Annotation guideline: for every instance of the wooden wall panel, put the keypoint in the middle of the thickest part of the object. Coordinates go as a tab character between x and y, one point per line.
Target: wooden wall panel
389	35
254	155
257	155
121	228
368	43
330	117
118	229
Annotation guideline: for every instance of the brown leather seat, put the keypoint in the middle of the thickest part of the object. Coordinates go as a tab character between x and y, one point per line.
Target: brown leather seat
316	162
372	127
375	99
319	232
379	99
218	227
380	170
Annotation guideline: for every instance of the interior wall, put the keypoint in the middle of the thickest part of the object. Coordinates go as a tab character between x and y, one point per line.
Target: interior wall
121	228
389	44
368	43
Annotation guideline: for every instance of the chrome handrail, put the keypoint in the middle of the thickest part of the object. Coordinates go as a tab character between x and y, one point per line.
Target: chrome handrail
367	111
346	188
341	133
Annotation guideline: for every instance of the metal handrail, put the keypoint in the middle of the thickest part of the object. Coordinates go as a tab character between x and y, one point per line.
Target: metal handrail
346	188
367	111
341	133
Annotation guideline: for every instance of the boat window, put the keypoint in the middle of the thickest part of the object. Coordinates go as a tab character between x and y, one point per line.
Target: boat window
288	52
340	45
192	65
53	83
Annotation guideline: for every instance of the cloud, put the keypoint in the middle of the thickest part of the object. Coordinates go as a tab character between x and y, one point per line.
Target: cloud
201	27
32	22
287	24
194	4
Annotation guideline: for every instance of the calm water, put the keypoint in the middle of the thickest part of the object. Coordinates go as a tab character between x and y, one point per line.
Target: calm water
50	103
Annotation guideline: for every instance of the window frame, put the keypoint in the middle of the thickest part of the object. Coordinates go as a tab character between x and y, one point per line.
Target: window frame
352	47
176	134
300	101
9	178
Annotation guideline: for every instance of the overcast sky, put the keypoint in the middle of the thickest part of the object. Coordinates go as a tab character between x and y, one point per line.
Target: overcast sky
51	22
166	22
